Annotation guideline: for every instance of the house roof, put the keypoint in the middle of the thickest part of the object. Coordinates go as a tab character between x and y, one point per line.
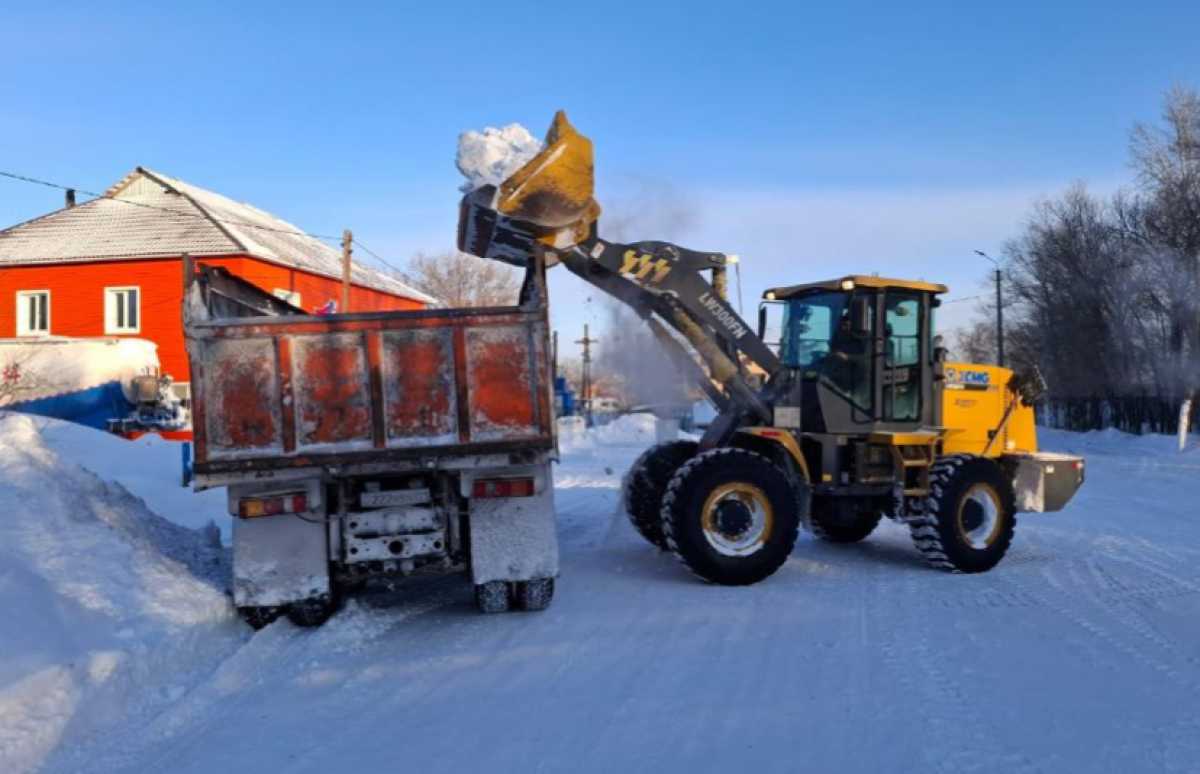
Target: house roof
147	214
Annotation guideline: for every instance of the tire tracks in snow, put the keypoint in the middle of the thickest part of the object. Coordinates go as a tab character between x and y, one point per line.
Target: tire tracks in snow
945	706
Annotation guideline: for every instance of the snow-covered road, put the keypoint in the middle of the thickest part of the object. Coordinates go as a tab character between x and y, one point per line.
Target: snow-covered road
1080	652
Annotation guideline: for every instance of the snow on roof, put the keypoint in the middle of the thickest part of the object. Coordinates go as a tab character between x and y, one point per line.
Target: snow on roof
148	214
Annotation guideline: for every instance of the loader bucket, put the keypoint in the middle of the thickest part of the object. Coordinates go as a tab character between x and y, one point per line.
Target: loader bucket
554	189
548	201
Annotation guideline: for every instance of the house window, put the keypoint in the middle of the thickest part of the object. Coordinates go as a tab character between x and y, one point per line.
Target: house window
33	313
291	296
122	310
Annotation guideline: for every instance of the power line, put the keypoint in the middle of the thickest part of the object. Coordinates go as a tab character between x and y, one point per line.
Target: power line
377	256
200	215
144	205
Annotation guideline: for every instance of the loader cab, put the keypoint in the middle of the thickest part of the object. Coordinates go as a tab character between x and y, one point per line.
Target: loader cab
861	350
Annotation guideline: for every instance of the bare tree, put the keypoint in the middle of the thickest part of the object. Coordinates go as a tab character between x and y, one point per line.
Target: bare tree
19	378
1107	293
457	279
976	344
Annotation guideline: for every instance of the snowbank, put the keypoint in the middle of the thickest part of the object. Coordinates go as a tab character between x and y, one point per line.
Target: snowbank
91	583
1113	442
490	156
150	467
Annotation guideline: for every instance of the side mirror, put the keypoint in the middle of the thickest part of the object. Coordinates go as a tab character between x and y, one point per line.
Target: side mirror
860	316
762	320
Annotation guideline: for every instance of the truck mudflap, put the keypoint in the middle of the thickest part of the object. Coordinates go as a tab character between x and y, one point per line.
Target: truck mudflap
512	538
1046	481
282	558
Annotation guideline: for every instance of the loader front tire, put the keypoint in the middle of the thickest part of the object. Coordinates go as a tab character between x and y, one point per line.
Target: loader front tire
646	483
731	516
966	523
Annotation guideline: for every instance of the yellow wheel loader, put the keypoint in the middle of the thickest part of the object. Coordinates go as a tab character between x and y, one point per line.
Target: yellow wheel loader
859	415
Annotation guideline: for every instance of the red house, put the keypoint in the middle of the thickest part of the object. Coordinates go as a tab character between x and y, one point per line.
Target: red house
112	266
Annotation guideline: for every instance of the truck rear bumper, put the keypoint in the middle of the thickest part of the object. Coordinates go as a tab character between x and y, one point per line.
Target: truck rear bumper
1046	481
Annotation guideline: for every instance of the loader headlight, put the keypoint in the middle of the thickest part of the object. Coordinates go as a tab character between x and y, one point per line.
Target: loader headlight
847	285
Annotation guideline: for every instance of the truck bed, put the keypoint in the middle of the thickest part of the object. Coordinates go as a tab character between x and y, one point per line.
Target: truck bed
291	391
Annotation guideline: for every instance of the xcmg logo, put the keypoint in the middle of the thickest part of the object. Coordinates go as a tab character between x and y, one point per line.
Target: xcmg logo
966	376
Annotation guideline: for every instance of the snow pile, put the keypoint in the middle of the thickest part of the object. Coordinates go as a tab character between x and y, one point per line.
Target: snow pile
149	466
91	583
633	430
490	156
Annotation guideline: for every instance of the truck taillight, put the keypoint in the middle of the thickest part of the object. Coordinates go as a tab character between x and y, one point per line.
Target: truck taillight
254	507
503	487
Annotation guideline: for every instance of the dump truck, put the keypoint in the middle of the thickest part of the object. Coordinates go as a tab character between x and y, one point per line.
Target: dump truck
359	449
859	415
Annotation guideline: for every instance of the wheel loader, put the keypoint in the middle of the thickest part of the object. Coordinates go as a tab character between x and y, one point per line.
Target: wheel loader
854	415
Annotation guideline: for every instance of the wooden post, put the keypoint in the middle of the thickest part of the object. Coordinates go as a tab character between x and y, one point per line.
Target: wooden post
347	240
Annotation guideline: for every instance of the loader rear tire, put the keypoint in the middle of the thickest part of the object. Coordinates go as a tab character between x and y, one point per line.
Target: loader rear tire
966	523
731	516
646	483
828	524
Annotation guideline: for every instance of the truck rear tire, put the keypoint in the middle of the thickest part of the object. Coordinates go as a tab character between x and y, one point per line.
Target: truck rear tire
313	611
492	597
534	594
731	516
966	523
646	483
831	524
260	617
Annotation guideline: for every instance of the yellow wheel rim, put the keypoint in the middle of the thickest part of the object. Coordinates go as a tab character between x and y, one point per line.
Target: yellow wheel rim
978	518
737	519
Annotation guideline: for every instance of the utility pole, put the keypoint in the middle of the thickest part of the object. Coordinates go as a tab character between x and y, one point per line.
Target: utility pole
999	321
999	310
347	241
585	388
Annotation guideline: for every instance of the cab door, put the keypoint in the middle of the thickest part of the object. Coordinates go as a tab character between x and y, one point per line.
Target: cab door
904	351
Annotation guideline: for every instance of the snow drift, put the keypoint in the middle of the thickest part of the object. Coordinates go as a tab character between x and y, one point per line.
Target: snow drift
91	583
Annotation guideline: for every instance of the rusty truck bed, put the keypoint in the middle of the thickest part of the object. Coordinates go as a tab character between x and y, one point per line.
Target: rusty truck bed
297	391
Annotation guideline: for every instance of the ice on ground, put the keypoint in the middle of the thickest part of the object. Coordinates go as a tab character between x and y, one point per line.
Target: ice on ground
488	157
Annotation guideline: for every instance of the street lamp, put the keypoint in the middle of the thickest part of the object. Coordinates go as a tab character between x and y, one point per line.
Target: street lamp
999	310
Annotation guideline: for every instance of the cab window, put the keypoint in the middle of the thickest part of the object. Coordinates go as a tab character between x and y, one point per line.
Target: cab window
903	349
818	337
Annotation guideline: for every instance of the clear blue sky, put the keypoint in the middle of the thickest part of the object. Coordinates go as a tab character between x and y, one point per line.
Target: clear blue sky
813	139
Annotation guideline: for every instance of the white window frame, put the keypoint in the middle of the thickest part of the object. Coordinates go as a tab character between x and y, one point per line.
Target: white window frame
290	296
23	328
110	310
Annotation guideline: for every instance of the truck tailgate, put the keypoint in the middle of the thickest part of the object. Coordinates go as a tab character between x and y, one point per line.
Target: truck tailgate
290	391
